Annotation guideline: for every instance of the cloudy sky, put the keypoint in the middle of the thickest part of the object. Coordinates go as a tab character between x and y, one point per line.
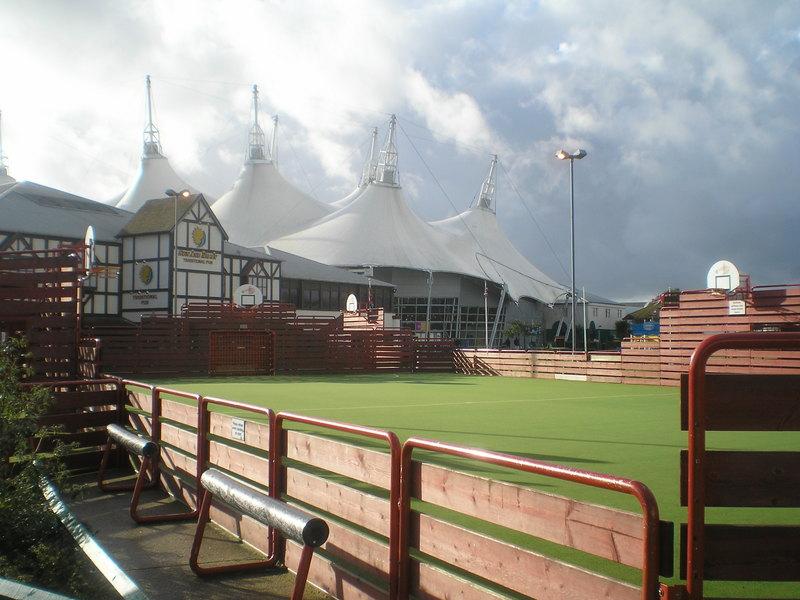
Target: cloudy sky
690	113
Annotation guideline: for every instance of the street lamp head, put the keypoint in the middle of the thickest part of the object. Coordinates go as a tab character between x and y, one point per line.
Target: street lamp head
172	193
564	155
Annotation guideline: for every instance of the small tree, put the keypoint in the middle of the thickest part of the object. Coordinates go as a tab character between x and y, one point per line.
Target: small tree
34	546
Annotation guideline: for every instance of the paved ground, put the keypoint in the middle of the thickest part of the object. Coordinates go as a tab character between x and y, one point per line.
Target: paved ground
156	557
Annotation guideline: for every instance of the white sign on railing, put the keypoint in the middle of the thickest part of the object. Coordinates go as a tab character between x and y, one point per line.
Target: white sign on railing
237	429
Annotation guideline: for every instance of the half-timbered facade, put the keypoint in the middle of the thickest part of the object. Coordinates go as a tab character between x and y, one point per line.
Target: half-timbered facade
36	217
170	252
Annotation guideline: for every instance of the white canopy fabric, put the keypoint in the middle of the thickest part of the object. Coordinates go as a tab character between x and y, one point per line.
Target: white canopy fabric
155	175
341	203
378	228
263	206
498	257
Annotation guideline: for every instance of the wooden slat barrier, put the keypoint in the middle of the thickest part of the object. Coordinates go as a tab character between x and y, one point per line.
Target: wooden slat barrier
39	300
366	555
612	534
83	409
745	478
370	560
215	337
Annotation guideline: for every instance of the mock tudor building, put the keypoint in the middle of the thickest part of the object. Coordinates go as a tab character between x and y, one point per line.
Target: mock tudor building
174	243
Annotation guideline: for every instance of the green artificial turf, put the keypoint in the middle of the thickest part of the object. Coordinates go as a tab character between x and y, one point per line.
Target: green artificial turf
625	430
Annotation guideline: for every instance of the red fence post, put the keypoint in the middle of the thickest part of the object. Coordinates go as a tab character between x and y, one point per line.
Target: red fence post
695	535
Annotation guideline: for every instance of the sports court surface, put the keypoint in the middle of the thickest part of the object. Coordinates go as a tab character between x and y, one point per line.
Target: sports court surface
626	430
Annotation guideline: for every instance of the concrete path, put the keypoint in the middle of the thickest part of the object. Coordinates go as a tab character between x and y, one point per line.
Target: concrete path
156	557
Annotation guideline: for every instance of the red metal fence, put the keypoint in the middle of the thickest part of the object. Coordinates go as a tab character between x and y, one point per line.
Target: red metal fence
403	527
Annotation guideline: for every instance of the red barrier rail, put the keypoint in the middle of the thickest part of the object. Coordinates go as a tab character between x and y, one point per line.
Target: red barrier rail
277	453
650	558
695	536
204	425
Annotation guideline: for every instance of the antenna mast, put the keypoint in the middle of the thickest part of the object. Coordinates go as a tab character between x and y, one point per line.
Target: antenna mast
273	150
486	199
3	165
256	149
152	139
387	164
369	169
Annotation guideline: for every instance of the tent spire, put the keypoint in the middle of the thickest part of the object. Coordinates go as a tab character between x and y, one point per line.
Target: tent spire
256	148
387	163
486	199
368	175
3	165
273	149
152	139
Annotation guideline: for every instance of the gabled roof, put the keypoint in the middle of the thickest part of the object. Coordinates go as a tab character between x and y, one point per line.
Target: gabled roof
28	207
159	215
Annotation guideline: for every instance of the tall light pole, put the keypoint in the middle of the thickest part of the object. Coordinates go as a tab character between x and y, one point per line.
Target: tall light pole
577	155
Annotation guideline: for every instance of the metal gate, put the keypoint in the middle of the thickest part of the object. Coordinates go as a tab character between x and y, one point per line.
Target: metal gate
241	353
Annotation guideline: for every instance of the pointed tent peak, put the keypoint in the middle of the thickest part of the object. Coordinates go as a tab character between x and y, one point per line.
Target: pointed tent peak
487	196
152	138
370	167
273	149
3	164
256	149
386	171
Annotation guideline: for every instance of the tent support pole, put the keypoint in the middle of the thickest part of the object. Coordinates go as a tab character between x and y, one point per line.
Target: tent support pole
497	315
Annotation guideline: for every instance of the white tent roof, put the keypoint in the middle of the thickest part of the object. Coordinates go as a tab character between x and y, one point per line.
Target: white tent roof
494	252
262	205
155	175
349	198
379	229
498	257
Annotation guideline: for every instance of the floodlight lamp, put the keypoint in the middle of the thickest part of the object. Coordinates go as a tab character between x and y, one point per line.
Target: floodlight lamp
579	154
170	192
187	193
561	155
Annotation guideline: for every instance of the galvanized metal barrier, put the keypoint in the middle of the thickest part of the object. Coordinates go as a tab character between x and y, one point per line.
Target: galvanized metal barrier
147	451
290	522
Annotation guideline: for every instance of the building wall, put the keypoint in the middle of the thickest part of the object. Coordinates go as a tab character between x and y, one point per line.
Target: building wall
146	277
100	294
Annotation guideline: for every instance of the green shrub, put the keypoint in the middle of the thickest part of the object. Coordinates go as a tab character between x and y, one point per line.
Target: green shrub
34	545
